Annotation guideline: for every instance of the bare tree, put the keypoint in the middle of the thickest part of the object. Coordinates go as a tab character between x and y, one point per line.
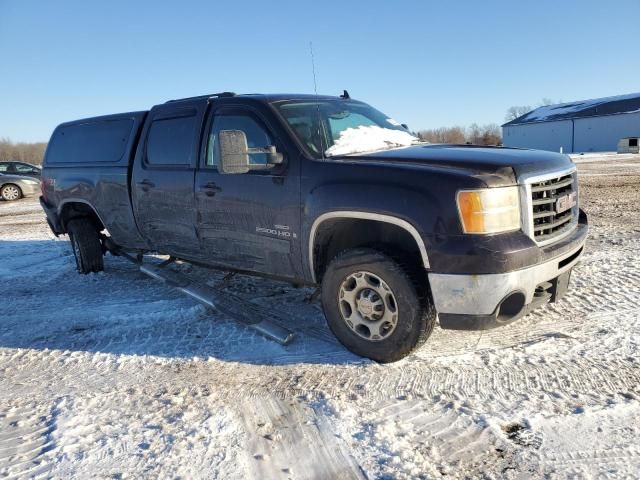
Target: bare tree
516	112
545	102
474	134
491	135
21	151
443	135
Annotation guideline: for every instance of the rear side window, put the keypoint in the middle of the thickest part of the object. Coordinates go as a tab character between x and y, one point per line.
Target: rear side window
95	142
4	167
21	168
170	140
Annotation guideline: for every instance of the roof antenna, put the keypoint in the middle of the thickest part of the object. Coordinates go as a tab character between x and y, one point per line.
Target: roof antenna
345	95
315	89
313	69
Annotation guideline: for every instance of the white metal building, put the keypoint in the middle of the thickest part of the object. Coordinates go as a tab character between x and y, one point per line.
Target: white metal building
585	126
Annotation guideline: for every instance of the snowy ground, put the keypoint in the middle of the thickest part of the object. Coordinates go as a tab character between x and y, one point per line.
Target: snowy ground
116	376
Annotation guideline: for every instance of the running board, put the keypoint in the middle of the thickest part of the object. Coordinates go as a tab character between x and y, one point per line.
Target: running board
207	295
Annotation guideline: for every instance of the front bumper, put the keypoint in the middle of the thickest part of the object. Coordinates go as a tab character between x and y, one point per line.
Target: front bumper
483	301
29	189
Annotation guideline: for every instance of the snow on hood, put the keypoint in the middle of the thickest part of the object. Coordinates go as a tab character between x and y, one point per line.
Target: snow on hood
369	139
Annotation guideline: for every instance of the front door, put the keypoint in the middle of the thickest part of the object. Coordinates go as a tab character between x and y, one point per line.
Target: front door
163	176
249	221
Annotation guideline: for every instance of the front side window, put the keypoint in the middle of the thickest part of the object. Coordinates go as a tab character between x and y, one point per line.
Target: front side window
170	141
329	127
257	137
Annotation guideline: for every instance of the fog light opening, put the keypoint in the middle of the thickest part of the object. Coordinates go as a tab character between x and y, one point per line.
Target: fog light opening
510	307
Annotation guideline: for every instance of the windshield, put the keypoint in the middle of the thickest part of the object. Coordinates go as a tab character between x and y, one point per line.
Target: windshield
342	127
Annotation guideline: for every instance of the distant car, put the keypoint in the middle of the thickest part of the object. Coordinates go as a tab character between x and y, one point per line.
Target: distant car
20	168
14	187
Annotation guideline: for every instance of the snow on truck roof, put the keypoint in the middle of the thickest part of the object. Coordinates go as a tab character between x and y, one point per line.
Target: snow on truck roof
583	108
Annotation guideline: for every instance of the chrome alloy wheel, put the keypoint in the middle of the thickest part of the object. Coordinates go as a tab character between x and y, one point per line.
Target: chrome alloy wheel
10	193
368	306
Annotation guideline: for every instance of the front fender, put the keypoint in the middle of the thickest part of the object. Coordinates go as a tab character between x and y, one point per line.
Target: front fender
414	211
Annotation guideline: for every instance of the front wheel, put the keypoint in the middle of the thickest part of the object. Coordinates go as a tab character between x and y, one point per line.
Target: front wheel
372	306
10	192
86	245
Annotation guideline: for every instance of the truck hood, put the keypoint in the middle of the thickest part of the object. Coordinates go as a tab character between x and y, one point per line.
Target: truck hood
496	165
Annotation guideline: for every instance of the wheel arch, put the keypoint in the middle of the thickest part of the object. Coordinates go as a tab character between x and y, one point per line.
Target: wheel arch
77	208
323	224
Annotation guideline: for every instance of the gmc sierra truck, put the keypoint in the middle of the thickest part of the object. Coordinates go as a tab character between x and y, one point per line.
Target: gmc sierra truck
324	191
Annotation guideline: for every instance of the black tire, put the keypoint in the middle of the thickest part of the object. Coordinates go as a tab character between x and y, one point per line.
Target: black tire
10	192
416	316
86	245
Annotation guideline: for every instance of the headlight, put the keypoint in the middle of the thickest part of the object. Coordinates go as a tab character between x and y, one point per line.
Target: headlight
490	210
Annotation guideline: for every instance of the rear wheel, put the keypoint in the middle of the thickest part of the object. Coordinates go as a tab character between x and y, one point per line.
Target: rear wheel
86	245
10	192
372	306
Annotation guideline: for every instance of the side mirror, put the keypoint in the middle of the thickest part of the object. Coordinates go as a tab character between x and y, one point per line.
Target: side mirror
234	153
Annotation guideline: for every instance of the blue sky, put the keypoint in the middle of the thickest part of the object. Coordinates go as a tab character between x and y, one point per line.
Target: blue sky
428	64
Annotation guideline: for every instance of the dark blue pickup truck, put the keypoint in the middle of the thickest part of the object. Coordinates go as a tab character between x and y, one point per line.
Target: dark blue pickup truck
328	191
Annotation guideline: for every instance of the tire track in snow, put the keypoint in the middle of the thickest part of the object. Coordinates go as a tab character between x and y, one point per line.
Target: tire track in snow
596	457
548	323
75	372
419	437
171	433
26	435
291	440
579	454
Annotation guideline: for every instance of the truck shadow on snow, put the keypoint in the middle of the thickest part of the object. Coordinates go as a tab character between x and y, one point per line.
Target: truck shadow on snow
121	311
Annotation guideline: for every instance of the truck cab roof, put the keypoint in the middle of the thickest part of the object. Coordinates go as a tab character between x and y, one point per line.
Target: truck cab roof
262	97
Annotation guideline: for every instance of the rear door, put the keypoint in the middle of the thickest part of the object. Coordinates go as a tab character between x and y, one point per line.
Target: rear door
163	176
249	221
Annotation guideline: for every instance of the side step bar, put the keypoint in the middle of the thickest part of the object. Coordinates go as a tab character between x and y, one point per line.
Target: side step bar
207	296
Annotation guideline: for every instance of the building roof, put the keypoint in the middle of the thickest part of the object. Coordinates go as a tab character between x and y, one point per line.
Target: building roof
584	108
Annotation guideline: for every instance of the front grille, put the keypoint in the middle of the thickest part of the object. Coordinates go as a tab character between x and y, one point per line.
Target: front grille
548	223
